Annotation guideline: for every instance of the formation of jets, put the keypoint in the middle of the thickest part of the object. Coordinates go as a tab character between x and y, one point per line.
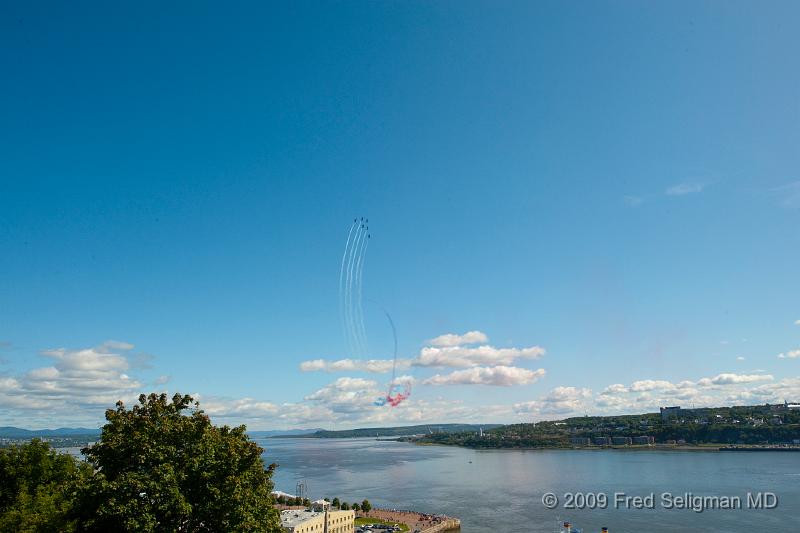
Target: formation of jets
364	225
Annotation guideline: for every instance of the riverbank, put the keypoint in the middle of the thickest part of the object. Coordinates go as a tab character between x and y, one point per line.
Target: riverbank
424	523
414	521
629	448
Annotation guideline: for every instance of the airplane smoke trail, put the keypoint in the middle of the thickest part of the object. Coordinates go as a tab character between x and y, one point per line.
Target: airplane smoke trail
354	253
397	392
342	311
361	328
351	287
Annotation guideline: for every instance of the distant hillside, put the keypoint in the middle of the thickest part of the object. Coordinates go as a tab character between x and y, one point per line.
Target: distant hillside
752	424
283	432
10	432
401	431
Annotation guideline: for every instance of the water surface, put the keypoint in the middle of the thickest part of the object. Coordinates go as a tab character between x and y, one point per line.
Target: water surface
502	490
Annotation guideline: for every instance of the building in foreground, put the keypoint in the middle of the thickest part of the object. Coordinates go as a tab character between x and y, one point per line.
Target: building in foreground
318	519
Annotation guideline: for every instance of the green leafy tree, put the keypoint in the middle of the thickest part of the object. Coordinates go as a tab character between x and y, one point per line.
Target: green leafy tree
162	466
37	487
345	506
356	507
366	506
336	503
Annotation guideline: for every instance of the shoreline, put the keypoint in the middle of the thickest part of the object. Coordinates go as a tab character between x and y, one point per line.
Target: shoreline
425	523
653	448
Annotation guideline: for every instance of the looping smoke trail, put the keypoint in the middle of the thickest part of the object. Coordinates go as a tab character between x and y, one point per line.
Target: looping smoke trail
397	392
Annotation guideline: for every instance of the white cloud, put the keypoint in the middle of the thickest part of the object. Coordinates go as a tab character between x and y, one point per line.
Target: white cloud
650	384
734	379
793	354
740	358
76	384
797	322
451	339
559	401
464	357
375	366
500	376
161	380
685	188
616	388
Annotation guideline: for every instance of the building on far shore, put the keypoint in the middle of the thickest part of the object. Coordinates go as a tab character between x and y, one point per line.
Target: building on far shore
318	519
602	441
621	441
644	439
580	441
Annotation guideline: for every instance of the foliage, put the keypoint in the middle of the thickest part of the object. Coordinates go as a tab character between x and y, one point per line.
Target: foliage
758	424
366	506
160	469
37	487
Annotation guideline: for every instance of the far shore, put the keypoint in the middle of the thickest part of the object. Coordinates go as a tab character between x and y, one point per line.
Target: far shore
631	448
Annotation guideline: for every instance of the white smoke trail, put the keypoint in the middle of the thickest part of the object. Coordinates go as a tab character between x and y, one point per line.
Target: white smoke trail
342	318
354	250
361	329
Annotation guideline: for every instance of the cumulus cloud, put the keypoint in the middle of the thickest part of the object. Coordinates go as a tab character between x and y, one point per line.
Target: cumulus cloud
616	388
734	379
797	322
793	354
451	339
650	384
500	376
374	366
685	188
559	401
75	382
464	356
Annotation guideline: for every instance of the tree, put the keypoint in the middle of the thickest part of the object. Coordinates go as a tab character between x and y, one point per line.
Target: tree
366	506
356	507
336	503
345	506
162	466
37	487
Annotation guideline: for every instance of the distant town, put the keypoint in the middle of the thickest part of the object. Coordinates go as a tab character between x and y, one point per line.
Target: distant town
773	425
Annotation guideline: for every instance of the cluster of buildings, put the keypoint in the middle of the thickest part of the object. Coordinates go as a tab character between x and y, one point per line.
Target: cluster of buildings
612	441
319	518
768	414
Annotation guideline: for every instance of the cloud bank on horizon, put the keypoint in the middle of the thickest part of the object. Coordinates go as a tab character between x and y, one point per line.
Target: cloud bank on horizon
80	384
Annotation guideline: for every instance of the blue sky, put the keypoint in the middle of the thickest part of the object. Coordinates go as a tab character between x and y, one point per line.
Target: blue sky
616	183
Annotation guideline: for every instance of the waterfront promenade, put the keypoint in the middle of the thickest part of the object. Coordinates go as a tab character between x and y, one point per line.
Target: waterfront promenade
425	523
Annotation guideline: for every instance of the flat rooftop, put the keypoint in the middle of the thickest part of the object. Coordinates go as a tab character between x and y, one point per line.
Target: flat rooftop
294	517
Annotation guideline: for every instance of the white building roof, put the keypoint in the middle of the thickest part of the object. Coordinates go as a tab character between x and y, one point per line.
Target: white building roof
293	518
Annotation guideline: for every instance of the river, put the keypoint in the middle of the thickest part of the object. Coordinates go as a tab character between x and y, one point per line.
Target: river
502	490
